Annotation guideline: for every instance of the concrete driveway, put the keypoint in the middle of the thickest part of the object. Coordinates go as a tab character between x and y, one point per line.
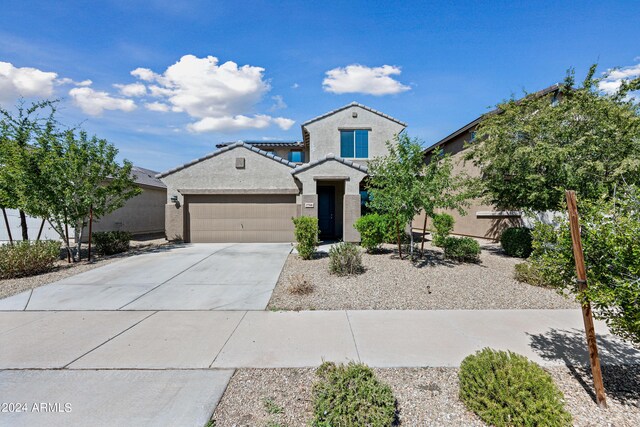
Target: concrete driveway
191	277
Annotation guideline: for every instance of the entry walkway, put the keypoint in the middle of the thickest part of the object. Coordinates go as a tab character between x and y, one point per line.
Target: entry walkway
171	367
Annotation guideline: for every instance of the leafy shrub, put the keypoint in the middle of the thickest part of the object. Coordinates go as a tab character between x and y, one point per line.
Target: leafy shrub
345	259
528	273
610	231
306	233
461	249
516	241
443	225
299	285
111	242
28	258
507	389
351	395
373	229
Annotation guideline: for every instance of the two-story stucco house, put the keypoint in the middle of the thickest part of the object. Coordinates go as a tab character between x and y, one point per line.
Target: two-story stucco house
248	191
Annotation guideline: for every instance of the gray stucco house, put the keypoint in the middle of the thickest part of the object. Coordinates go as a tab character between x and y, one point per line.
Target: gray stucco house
248	191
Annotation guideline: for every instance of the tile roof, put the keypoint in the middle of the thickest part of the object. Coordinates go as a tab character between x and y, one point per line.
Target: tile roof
225	149
265	143
328	157
146	177
354	104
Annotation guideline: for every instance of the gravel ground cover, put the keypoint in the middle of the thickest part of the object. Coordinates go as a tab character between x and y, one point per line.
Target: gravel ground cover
432	282
63	269
426	396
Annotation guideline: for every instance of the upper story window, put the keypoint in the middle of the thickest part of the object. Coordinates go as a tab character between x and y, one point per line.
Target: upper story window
354	144
296	156
472	136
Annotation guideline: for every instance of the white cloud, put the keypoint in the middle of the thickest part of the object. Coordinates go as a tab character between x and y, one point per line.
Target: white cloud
144	74
68	81
613	77
284	123
95	102
24	81
133	89
220	96
295	86
278	103
361	79
157	106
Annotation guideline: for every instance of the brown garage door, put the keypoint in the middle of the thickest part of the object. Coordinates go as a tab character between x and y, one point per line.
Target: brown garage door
240	218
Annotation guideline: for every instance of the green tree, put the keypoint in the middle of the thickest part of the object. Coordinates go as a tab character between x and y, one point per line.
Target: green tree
77	174
18	171
610	232
401	185
531	150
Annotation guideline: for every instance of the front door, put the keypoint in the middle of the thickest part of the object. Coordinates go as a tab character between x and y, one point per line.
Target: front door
327	211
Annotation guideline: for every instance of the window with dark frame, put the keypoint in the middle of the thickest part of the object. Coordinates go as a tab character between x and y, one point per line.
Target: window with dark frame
354	144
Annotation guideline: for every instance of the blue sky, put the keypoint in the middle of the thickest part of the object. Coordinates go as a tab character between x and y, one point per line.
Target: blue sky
435	65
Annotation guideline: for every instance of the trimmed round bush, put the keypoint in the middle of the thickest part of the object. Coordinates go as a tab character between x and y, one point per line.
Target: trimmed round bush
507	389
516	242
27	258
463	249
345	259
443	226
373	229
111	242
351	395
306	234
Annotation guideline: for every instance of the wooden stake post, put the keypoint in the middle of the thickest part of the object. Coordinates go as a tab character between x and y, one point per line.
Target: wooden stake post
587	316
90	225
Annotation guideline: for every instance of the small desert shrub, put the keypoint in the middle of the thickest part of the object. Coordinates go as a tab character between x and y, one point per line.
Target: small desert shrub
507	389
461	249
111	242
306	233
28	258
516	241
351	395
373	229
528	273
345	259
299	285
443	225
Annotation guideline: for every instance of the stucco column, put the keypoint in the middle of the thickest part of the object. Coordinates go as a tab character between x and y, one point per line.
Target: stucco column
350	213
174	221
309	205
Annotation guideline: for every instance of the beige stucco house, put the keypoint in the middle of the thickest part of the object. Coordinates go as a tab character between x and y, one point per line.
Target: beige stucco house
248	191
481	220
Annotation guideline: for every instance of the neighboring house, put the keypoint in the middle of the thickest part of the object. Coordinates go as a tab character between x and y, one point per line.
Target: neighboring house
481	220
142	215
248	191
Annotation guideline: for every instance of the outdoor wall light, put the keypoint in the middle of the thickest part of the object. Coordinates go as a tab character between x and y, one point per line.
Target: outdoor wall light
174	199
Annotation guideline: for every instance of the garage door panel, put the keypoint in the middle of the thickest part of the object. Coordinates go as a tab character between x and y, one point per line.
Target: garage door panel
240	218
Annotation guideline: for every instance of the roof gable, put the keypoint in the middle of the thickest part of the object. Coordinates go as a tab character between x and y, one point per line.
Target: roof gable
353	104
249	147
303	167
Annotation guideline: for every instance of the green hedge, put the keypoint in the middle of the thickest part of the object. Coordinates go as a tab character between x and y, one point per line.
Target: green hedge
461	249
516	241
373	229
351	395
306	234
28	258
111	242
443	225
507	389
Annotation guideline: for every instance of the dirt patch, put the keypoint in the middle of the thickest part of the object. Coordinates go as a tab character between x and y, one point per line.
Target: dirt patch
431	282
426	396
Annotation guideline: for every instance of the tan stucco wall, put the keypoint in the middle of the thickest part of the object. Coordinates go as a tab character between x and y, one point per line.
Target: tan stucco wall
331	168
220	173
143	214
325	133
470	224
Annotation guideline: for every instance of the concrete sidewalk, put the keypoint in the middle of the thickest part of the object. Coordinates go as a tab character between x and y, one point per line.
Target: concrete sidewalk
157	368
258	339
